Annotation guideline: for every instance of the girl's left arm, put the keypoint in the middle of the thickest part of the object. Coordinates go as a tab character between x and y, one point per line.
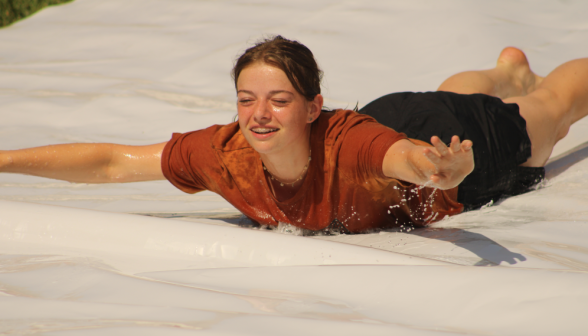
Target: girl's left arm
444	166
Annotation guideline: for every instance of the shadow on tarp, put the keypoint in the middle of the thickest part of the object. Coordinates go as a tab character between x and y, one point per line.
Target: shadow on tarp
490	252
562	162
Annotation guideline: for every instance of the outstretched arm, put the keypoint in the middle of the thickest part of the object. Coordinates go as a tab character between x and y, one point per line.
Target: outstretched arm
87	163
444	166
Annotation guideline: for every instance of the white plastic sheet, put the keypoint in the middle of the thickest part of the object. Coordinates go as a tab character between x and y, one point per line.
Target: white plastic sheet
135	71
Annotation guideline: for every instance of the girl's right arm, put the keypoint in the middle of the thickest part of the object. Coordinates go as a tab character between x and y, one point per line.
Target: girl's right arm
87	163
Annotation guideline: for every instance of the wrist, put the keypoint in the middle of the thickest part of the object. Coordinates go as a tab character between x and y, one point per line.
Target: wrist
422	167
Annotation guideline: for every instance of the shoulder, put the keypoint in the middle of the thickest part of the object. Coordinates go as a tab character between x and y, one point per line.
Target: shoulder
340	118
337	123
216	137
229	138
200	160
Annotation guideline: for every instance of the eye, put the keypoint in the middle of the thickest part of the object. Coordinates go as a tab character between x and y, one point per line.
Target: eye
245	101
280	102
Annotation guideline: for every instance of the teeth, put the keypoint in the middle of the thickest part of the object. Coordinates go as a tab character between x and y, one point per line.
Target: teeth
264	130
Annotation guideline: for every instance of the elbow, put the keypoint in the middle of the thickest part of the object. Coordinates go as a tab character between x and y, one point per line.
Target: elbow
114	175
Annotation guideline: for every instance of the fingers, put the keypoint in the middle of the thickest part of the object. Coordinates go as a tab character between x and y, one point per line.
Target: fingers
435	179
466	145
440	151
451	162
454	147
455	144
439	146
433	156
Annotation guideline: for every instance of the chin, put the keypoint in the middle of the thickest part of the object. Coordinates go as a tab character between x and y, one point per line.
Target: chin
263	149
260	147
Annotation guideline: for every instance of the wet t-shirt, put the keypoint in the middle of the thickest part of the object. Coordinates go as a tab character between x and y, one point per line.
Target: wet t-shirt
344	185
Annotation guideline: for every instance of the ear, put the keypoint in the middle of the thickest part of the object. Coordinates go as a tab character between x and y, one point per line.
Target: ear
314	108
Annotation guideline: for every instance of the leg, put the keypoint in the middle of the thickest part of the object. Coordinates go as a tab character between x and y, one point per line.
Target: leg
511	77
559	100
548	105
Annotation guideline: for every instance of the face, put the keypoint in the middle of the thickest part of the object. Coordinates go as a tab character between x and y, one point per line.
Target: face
273	116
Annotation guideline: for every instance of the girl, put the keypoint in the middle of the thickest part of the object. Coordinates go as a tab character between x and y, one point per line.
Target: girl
288	161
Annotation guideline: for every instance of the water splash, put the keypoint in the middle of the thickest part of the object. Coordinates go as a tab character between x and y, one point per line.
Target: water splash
290	229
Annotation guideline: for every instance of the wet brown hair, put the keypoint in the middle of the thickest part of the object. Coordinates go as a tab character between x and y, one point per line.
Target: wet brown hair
292	57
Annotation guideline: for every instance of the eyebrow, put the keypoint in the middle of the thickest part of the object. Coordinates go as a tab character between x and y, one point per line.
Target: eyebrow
271	92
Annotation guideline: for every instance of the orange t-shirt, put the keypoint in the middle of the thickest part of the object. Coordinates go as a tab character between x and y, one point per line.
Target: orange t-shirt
344	185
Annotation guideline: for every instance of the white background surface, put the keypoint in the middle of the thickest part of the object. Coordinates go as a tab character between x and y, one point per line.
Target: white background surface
133	72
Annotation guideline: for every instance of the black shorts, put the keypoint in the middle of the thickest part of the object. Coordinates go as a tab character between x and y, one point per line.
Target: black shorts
498	131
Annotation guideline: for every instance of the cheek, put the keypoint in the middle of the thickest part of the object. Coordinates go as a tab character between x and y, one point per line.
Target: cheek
243	115
290	116
242	119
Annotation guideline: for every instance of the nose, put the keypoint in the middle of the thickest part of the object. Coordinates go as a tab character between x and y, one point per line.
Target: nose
262	112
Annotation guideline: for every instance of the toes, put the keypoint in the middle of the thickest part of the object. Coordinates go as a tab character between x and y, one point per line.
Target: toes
512	56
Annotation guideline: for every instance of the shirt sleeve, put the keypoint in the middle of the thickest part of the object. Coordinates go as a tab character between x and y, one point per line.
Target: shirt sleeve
363	148
188	160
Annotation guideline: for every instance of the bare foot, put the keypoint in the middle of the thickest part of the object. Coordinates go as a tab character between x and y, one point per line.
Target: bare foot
516	66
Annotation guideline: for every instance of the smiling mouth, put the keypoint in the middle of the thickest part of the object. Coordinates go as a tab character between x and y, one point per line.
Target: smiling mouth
264	130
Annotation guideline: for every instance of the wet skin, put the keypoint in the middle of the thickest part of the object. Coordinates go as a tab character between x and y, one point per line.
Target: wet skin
275	119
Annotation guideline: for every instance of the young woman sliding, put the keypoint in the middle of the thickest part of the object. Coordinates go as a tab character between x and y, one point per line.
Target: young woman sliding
288	161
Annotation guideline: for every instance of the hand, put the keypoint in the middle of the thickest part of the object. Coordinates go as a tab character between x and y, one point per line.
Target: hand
451	164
